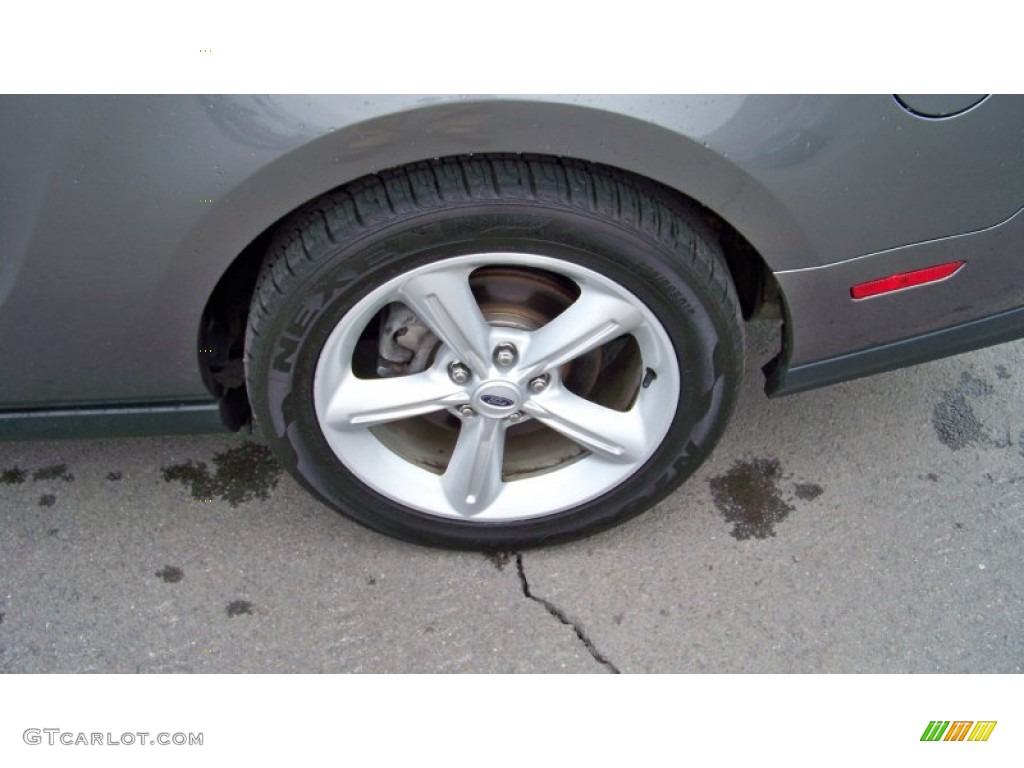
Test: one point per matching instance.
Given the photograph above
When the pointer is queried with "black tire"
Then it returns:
(618, 423)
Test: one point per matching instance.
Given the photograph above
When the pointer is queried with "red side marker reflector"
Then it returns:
(904, 280)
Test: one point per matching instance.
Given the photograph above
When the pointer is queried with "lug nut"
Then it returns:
(540, 383)
(514, 418)
(505, 355)
(467, 411)
(458, 373)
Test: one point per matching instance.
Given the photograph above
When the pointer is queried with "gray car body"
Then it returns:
(121, 214)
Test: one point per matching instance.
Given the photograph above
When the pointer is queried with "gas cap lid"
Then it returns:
(938, 105)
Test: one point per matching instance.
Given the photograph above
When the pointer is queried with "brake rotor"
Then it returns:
(528, 299)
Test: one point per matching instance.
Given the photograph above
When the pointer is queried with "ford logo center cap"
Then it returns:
(497, 401)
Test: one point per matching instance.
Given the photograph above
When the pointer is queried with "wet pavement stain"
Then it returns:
(808, 491)
(13, 476)
(243, 473)
(498, 559)
(748, 496)
(238, 608)
(47, 500)
(114, 476)
(172, 574)
(1001, 372)
(53, 473)
(930, 476)
(953, 418)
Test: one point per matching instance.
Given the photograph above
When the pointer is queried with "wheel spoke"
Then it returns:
(361, 403)
(473, 478)
(619, 436)
(443, 301)
(595, 318)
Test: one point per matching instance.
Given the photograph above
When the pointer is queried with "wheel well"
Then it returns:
(222, 332)
(225, 317)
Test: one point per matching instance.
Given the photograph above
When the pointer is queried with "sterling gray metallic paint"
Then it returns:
(991, 281)
(118, 215)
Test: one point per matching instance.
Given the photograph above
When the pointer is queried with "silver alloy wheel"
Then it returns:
(367, 421)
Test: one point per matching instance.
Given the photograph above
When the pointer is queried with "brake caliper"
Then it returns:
(405, 345)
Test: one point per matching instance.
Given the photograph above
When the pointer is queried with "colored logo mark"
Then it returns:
(958, 730)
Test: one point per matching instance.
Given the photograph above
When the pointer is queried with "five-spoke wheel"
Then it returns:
(501, 425)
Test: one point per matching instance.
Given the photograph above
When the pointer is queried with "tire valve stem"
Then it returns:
(649, 376)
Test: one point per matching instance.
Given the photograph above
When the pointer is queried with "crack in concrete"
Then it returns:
(557, 612)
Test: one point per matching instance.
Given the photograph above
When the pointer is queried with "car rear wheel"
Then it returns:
(493, 352)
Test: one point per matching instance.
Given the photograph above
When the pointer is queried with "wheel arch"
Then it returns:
(751, 225)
